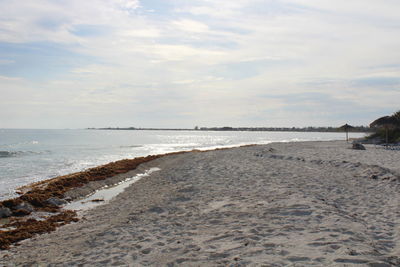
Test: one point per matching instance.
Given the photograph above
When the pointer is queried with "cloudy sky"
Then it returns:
(179, 63)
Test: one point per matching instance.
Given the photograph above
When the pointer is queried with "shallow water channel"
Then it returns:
(105, 194)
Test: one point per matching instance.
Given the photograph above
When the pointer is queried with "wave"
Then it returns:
(131, 146)
(33, 142)
(10, 154)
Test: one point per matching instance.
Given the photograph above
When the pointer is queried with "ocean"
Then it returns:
(28, 156)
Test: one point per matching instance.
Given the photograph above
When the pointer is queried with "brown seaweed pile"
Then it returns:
(40, 192)
(30, 227)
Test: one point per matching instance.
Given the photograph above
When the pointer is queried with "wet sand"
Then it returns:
(284, 204)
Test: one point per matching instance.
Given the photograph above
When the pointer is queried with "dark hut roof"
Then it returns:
(346, 127)
(383, 121)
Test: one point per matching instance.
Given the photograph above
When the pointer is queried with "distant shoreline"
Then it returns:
(356, 129)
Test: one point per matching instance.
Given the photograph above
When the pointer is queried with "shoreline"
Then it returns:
(215, 202)
(35, 160)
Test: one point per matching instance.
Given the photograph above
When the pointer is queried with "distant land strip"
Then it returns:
(361, 129)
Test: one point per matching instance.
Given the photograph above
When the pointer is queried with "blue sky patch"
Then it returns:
(382, 82)
(157, 7)
(84, 30)
(39, 61)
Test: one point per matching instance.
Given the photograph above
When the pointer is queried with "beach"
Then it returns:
(281, 204)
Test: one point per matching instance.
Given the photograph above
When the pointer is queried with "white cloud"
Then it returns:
(8, 79)
(191, 26)
(129, 4)
(6, 61)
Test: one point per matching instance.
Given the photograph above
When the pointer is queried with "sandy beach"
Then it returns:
(282, 204)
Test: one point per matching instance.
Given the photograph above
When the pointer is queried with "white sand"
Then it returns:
(291, 204)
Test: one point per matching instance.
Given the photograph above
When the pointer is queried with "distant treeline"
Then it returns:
(287, 129)
(252, 129)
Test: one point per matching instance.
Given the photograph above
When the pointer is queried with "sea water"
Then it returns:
(28, 156)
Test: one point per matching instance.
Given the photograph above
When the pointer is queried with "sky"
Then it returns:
(179, 63)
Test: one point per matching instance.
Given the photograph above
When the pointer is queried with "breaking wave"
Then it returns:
(10, 154)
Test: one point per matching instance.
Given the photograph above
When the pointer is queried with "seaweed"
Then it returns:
(27, 229)
(38, 193)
